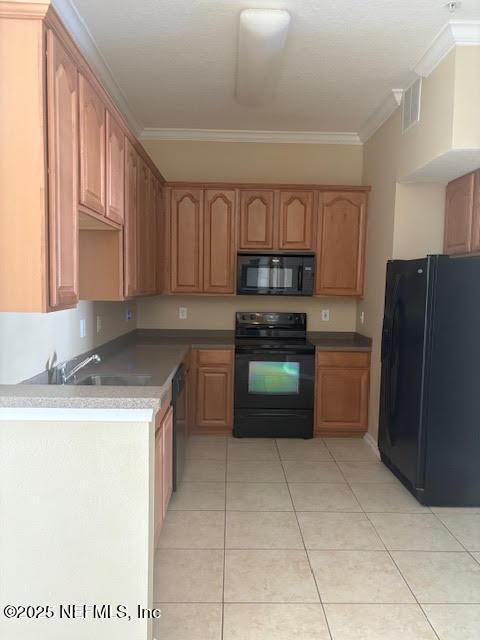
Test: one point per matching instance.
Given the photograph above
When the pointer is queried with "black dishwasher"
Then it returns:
(179, 405)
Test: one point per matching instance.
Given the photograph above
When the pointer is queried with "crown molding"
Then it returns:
(25, 10)
(87, 45)
(381, 114)
(227, 135)
(454, 33)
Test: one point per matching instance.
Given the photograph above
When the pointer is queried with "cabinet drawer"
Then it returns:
(214, 356)
(347, 359)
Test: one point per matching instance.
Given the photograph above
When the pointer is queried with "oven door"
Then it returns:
(269, 275)
(274, 379)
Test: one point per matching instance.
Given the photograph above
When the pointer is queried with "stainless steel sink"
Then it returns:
(126, 380)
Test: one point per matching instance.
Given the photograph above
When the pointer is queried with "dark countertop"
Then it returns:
(157, 353)
(340, 341)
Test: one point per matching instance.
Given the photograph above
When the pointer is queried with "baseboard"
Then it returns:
(372, 443)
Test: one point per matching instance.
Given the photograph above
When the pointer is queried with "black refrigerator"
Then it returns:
(429, 426)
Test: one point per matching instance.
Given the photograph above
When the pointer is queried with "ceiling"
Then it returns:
(175, 60)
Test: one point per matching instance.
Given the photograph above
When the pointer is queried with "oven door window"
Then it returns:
(274, 378)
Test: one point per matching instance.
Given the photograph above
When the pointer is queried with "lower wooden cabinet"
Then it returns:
(158, 500)
(341, 398)
(213, 398)
(167, 428)
(163, 465)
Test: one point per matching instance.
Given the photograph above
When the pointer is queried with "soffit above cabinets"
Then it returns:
(174, 63)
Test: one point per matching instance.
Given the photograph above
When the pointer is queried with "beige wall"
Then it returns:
(379, 171)
(433, 135)
(28, 340)
(419, 219)
(219, 313)
(257, 162)
(466, 131)
(405, 220)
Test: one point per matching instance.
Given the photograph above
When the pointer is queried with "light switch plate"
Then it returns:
(325, 315)
(83, 328)
(182, 313)
(99, 324)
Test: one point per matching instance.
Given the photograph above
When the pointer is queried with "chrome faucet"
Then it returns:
(65, 377)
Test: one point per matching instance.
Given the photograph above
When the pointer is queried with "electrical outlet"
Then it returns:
(362, 317)
(325, 315)
(99, 324)
(129, 315)
(182, 313)
(83, 328)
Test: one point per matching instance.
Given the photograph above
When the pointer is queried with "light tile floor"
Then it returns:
(310, 540)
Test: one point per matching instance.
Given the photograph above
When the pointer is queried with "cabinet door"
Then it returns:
(214, 397)
(459, 215)
(341, 243)
(143, 187)
(256, 219)
(167, 427)
(296, 220)
(158, 491)
(151, 236)
(186, 251)
(115, 170)
(62, 101)
(219, 242)
(130, 230)
(476, 214)
(92, 147)
(342, 401)
(160, 256)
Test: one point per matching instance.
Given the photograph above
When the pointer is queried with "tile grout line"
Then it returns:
(224, 541)
(392, 559)
(304, 545)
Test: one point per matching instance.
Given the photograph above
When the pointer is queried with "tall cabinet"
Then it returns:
(62, 136)
(62, 118)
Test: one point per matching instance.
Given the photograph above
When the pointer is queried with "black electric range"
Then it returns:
(274, 376)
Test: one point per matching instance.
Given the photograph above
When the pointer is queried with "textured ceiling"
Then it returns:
(175, 60)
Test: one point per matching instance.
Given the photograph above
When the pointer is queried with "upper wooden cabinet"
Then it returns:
(256, 219)
(143, 218)
(296, 220)
(62, 136)
(219, 241)
(132, 161)
(150, 249)
(459, 216)
(476, 214)
(92, 147)
(115, 168)
(341, 243)
(62, 120)
(186, 240)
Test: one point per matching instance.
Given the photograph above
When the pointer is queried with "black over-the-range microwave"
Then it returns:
(283, 274)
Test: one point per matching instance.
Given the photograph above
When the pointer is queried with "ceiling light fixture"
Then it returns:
(261, 41)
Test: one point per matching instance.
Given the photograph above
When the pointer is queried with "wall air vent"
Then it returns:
(411, 104)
